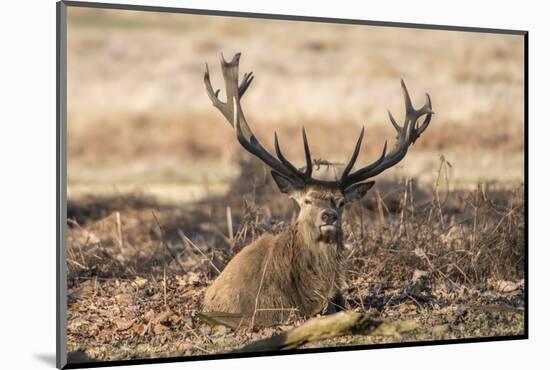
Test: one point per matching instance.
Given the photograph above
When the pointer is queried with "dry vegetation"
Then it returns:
(453, 262)
(161, 197)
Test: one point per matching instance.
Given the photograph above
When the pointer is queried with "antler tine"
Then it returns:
(232, 111)
(412, 116)
(307, 153)
(253, 146)
(283, 159)
(213, 95)
(247, 80)
(408, 103)
(406, 135)
(392, 120)
(230, 74)
(427, 110)
(230, 71)
(355, 154)
(363, 173)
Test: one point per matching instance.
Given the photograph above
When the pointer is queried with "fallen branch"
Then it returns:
(331, 326)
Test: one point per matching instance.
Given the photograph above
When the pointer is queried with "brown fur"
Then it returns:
(298, 274)
(300, 268)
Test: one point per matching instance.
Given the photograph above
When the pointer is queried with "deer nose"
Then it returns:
(329, 217)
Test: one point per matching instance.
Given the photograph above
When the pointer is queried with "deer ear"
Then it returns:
(357, 191)
(284, 184)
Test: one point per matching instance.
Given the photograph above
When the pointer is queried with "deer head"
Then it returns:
(321, 201)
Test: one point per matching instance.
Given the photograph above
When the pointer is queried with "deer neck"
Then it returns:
(306, 235)
(317, 262)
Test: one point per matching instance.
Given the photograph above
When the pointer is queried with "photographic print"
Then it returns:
(242, 185)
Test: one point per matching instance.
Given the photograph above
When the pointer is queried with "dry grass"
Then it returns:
(451, 260)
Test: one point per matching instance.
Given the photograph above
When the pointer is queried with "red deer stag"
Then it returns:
(300, 269)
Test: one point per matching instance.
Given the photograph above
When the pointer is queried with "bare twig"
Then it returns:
(119, 232)
(229, 223)
(403, 208)
(268, 259)
(188, 241)
(164, 259)
(165, 245)
(380, 206)
(164, 281)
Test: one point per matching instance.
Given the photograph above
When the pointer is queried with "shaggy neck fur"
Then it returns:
(291, 270)
(316, 266)
(309, 235)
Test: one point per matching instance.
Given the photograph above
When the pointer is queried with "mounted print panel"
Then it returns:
(238, 185)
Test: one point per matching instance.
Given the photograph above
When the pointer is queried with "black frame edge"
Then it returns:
(287, 17)
(526, 180)
(222, 356)
(61, 188)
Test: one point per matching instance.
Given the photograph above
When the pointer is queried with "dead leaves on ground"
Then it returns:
(126, 318)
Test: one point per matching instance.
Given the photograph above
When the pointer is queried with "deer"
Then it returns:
(302, 268)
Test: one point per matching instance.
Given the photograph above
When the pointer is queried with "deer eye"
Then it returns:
(307, 201)
(340, 203)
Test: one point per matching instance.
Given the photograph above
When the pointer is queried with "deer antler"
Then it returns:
(232, 111)
(406, 135)
(230, 74)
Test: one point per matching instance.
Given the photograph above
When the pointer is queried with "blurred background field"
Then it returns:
(139, 117)
(161, 196)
